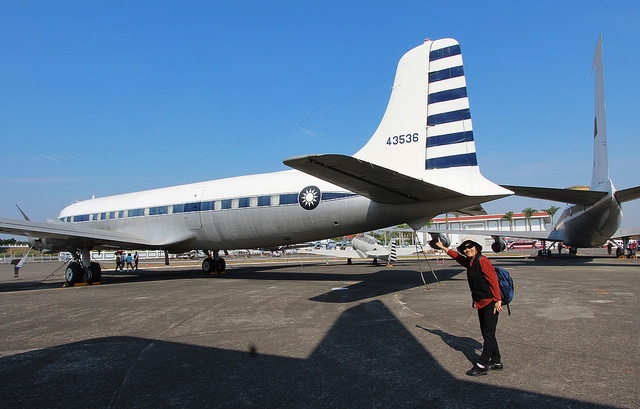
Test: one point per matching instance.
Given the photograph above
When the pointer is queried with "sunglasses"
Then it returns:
(468, 246)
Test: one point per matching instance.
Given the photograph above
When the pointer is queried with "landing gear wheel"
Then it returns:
(96, 273)
(208, 265)
(221, 266)
(74, 273)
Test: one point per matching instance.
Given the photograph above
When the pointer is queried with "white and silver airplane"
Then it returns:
(592, 216)
(420, 162)
(364, 246)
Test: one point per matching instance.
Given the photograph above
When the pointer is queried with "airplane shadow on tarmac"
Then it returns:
(367, 359)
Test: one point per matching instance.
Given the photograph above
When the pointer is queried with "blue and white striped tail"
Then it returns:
(426, 130)
(449, 130)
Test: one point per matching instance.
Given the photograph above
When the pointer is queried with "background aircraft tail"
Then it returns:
(426, 131)
(601, 184)
(600, 175)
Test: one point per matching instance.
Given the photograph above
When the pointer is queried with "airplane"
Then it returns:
(362, 247)
(420, 162)
(592, 216)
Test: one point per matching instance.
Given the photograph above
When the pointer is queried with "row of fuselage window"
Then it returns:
(225, 204)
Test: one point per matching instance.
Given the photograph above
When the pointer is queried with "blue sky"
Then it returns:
(100, 98)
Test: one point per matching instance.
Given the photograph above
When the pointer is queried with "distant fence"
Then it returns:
(33, 258)
(6, 258)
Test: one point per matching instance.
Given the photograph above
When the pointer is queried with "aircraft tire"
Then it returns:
(221, 265)
(207, 265)
(73, 273)
(96, 273)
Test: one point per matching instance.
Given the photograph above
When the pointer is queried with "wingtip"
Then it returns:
(23, 213)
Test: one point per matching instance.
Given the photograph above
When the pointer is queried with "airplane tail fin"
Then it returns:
(426, 131)
(393, 252)
(423, 149)
(600, 173)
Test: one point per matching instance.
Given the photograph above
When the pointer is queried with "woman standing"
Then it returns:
(485, 292)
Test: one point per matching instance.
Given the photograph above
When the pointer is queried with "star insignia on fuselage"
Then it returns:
(309, 197)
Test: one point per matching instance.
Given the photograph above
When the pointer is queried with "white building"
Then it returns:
(519, 222)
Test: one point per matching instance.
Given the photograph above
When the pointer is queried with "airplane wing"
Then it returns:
(626, 195)
(75, 236)
(369, 180)
(346, 253)
(553, 235)
(580, 197)
(381, 253)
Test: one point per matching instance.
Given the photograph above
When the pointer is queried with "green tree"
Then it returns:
(528, 212)
(381, 237)
(508, 216)
(552, 211)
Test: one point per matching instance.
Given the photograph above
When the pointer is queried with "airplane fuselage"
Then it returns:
(254, 211)
(590, 226)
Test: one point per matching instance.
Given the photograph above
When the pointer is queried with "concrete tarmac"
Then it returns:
(307, 334)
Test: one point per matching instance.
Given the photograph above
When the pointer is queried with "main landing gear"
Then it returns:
(214, 265)
(82, 270)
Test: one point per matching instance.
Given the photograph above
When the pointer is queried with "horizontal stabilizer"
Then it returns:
(629, 194)
(380, 253)
(476, 210)
(375, 182)
(580, 197)
(553, 235)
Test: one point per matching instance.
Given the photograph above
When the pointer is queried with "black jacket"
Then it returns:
(477, 282)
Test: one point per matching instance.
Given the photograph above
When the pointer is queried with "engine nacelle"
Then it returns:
(498, 245)
(38, 244)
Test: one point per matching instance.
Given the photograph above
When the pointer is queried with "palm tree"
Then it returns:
(552, 211)
(528, 212)
(401, 235)
(508, 216)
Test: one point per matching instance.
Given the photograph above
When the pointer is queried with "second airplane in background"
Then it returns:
(364, 246)
(593, 216)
